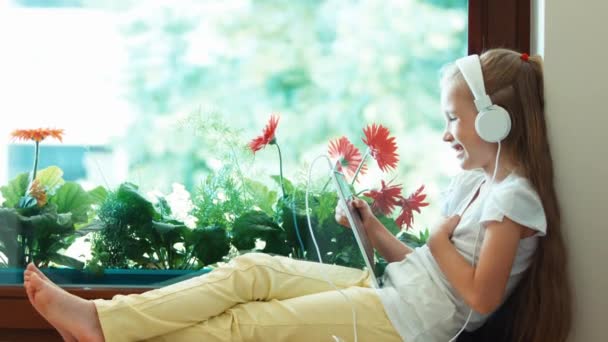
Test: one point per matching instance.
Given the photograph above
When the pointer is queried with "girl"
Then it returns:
(502, 234)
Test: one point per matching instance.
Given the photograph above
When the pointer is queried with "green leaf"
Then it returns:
(170, 233)
(90, 227)
(275, 244)
(286, 183)
(65, 260)
(126, 206)
(64, 219)
(263, 197)
(251, 226)
(210, 210)
(163, 207)
(413, 240)
(135, 249)
(209, 245)
(327, 206)
(295, 223)
(98, 195)
(50, 178)
(94, 267)
(71, 198)
(424, 236)
(46, 224)
(165, 227)
(390, 224)
(15, 189)
(9, 227)
(140, 210)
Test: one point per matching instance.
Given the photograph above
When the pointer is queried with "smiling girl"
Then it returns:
(500, 238)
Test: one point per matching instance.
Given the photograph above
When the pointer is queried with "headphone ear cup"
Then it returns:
(493, 124)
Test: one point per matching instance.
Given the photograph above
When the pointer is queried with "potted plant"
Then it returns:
(138, 240)
(40, 213)
(283, 226)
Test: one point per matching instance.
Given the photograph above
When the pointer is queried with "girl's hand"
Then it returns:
(360, 206)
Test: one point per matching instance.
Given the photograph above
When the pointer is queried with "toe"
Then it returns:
(35, 280)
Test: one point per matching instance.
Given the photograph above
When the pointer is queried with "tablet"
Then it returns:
(344, 197)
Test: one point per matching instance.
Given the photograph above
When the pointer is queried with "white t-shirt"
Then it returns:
(418, 299)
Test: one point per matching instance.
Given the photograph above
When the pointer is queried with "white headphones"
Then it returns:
(493, 122)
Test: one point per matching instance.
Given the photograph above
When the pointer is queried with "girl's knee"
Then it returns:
(251, 259)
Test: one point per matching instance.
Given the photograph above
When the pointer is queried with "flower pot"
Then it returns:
(109, 277)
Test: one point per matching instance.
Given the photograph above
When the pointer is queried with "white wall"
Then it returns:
(576, 74)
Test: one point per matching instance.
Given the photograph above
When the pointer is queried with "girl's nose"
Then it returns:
(447, 136)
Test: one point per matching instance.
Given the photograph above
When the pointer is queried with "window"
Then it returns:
(148, 93)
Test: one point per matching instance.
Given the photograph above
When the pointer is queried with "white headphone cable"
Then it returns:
(314, 240)
(476, 240)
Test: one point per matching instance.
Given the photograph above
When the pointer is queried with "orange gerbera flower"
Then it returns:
(37, 135)
(346, 155)
(267, 137)
(386, 198)
(38, 192)
(382, 147)
(408, 206)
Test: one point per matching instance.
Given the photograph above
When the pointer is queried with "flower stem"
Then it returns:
(280, 168)
(36, 155)
(326, 184)
(329, 180)
(360, 192)
(360, 166)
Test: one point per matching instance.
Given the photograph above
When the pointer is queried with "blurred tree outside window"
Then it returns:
(157, 92)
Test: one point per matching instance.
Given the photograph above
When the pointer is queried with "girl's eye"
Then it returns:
(452, 118)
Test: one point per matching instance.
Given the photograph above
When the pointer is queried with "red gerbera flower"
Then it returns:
(267, 136)
(347, 155)
(37, 135)
(382, 147)
(386, 198)
(408, 206)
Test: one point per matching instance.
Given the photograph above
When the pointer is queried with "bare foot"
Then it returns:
(71, 314)
(31, 268)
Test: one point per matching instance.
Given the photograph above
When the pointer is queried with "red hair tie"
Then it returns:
(524, 57)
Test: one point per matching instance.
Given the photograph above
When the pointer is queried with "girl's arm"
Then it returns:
(482, 287)
(381, 238)
(385, 242)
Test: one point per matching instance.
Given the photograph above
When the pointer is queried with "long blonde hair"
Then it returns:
(541, 305)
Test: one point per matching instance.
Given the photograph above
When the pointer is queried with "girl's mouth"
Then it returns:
(460, 149)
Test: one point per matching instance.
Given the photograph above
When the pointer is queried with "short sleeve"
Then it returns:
(518, 201)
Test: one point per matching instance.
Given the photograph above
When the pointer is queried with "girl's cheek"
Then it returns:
(455, 130)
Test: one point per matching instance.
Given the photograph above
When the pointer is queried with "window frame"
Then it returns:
(509, 26)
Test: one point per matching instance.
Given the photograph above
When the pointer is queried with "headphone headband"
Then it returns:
(470, 67)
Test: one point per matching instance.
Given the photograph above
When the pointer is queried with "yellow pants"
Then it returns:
(256, 297)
